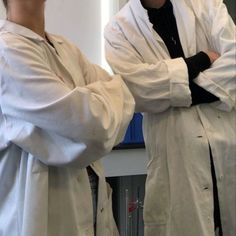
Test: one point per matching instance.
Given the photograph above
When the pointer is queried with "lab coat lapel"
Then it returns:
(155, 42)
(186, 25)
(65, 68)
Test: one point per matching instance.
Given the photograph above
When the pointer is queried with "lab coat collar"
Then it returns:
(23, 31)
(186, 29)
(141, 12)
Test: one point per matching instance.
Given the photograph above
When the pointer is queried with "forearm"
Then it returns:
(195, 65)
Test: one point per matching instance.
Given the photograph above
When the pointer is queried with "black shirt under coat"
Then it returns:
(164, 23)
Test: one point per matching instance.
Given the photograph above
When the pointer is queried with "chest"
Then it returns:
(65, 65)
(192, 32)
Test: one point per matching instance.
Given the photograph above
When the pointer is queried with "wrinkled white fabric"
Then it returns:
(58, 114)
(179, 196)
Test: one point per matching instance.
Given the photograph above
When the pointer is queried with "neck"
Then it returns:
(153, 3)
(27, 14)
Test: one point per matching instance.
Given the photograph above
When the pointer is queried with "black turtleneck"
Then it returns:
(164, 23)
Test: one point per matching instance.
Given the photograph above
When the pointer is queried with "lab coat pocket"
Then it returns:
(156, 202)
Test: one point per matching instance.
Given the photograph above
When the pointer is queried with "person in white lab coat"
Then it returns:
(178, 59)
(59, 114)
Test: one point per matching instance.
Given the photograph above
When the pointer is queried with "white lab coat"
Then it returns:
(179, 196)
(58, 114)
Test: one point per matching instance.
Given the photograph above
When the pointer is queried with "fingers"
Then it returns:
(212, 55)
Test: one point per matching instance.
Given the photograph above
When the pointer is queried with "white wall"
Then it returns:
(79, 21)
(2, 11)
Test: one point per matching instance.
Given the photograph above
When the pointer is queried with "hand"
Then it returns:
(212, 55)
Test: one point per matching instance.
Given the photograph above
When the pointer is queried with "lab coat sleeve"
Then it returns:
(93, 73)
(36, 104)
(155, 87)
(220, 29)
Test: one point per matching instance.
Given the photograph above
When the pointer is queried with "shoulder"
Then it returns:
(15, 47)
(202, 5)
(69, 46)
(12, 40)
(120, 23)
(122, 16)
(17, 36)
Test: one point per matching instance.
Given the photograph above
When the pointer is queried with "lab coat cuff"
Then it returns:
(227, 101)
(180, 94)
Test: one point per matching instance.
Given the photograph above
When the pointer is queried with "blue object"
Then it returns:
(134, 134)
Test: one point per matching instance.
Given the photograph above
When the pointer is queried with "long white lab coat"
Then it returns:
(179, 196)
(58, 114)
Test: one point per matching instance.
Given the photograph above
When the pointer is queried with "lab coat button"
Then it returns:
(206, 188)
